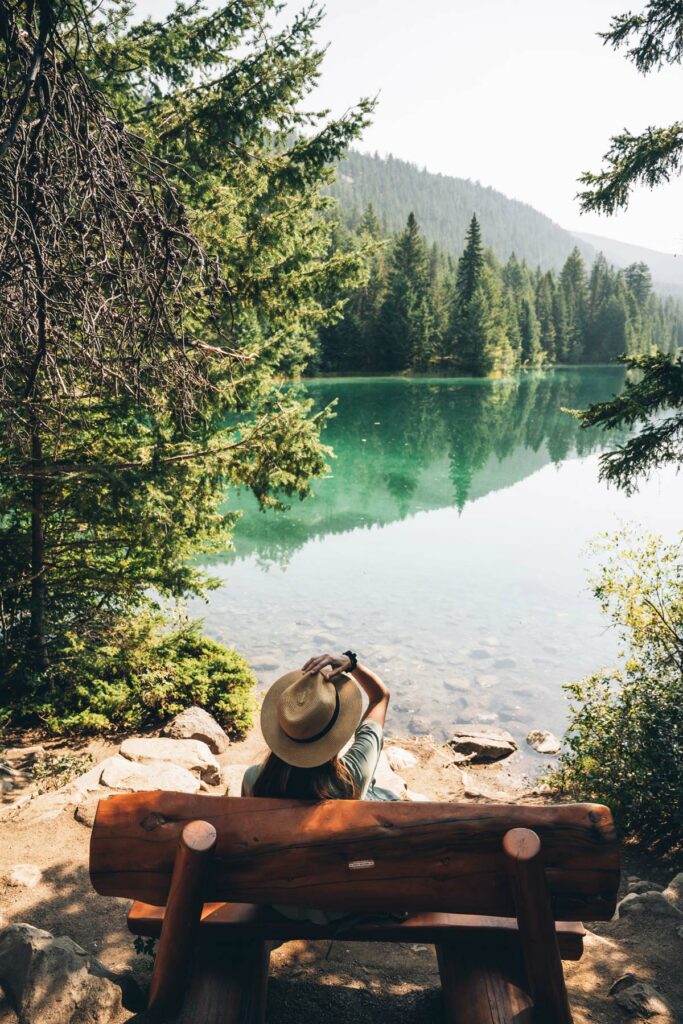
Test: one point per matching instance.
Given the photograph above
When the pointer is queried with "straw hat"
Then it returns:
(306, 719)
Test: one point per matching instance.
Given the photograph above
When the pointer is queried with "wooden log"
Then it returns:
(183, 912)
(228, 983)
(357, 855)
(246, 920)
(484, 983)
(524, 860)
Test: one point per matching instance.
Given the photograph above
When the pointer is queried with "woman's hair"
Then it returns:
(329, 781)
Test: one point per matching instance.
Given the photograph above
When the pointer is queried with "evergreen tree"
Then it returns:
(405, 326)
(575, 289)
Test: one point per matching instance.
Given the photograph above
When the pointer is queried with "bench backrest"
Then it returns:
(357, 855)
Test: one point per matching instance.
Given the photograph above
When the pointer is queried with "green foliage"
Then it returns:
(652, 38)
(625, 735)
(416, 310)
(110, 485)
(54, 770)
(653, 400)
(142, 675)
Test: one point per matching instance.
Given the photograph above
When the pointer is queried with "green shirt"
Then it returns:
(361, 760)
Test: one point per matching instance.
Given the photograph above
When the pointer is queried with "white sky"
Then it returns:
(517, 94)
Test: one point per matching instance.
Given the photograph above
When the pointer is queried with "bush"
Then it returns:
(625, 735)
(144, 675)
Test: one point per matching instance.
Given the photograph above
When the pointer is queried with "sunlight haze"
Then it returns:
(522, 97)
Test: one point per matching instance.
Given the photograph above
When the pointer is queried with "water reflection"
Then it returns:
(404, 446)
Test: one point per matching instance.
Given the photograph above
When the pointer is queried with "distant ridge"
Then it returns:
(444, 206)
(667, 269)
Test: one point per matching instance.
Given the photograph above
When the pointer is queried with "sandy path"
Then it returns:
(359, 981)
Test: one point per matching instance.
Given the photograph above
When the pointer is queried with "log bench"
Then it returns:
(501, 890)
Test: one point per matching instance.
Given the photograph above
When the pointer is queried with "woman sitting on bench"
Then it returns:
(307, 719)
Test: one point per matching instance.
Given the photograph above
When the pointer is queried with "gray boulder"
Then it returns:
(654, 903)
(54, 981)
(192, 755)
(197, 724)
(131, 777)
(674, 891)
(641, 886)
(482, 742)
(640, 999)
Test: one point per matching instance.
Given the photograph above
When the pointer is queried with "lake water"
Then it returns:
(447, 546)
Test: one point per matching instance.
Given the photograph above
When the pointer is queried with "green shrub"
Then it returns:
(625, 735)
(145, 674)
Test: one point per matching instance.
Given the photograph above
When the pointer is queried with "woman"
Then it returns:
(307, 718)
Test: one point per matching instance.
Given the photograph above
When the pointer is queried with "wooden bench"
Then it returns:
(500, 890)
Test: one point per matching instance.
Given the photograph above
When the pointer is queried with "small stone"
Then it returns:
(400, 759)
(420, 726)
(482, 743)
(386, 778)
(416, 798)
(457, 684)
(197, 724)
(639, 998)
(193, 755)
(487, 679)
(654, 903)
(505, 663)
(85, 811)
(641, 886)
(144, 778)
(24, 876)
(544, 742)
(232, 776)
(479, 654)
(265, 665)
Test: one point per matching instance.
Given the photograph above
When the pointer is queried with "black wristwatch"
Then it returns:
(353, 658)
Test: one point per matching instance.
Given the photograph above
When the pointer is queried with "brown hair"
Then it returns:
(329, 781)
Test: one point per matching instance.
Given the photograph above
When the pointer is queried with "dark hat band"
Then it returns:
(328, 727)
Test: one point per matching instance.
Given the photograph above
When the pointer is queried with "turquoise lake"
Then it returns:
(447, 545)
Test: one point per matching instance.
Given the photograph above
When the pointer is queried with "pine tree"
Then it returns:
(405, 331)
(574, 287)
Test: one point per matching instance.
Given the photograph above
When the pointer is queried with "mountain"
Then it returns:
(667, 269)
(444, 206)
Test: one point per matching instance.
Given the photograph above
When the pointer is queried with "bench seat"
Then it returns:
(228, 920)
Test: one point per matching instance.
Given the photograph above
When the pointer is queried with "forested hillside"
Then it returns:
(444, 206)
(420, 309)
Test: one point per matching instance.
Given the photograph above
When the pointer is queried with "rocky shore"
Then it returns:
(67, 958)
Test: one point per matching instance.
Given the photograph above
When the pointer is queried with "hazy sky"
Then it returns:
(517, 94)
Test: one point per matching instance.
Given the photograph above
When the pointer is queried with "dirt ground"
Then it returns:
(349, 981)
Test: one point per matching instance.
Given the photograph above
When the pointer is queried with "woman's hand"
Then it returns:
(337, 662)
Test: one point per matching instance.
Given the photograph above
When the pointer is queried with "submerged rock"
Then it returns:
(193, 755)
(482, 742)
(197, 724)
(544, 742)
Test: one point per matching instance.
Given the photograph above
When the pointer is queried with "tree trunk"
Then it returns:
(37, 635)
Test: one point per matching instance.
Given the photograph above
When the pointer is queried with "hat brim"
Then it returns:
(311, 755)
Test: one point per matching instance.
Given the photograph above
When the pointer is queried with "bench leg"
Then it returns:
(228, 984)
(524, 862)
(181, 920)
(483, 984)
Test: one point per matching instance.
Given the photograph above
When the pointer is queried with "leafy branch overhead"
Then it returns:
(651, 39)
